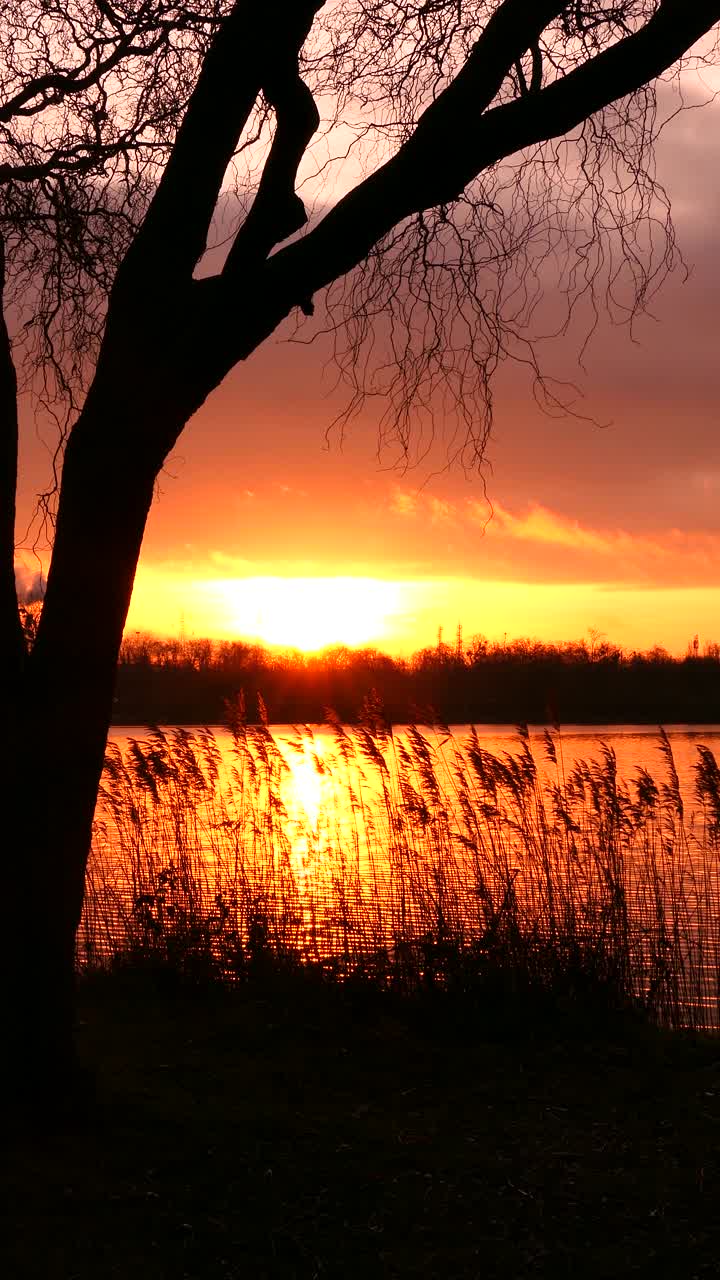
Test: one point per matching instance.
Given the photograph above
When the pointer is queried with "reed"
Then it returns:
(412, 862)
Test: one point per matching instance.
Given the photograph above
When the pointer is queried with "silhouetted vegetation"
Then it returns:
(410, 862)
(189, 682)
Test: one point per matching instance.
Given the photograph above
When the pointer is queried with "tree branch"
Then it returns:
(446, 152)
(51, 89)
(255, 49)
(562, 105)
(173, 235)
(387, 196)
(277, 212)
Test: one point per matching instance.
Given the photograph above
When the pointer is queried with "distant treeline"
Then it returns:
(192, 681)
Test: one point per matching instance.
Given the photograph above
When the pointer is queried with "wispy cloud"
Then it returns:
(690, 553)
(407, 503)
(537, 543)
(404, 503)
(540, 525)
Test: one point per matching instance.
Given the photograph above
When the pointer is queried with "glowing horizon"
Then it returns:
(306, 613)
(400, 616)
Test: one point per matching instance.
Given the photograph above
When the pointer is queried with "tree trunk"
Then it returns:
(58, 738)
(59, 720)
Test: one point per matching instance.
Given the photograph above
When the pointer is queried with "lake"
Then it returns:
(340, 845)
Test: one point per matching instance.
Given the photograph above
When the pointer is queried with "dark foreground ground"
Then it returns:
(290, 1138)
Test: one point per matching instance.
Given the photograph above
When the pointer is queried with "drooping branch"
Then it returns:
(390, 194)
(447, 151)
(609, 75)
(12, 646)
(77, 176)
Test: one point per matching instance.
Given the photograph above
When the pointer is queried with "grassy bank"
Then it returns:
(267, 1134)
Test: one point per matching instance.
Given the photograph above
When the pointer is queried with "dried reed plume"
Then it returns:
(416, 861)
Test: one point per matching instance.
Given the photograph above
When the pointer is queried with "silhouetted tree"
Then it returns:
(496, 139)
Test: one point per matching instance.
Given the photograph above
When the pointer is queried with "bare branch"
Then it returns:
(444, 155)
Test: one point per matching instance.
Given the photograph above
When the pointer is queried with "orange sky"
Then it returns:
(260, 530)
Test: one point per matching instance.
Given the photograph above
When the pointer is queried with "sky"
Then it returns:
(263, 529)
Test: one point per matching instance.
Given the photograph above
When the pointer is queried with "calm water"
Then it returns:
(635, 744)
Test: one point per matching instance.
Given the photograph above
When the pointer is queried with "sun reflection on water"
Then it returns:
(306, 781)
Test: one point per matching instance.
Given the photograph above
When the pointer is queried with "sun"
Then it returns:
(307, 613)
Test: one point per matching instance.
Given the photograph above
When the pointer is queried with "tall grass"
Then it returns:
(412, 860)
